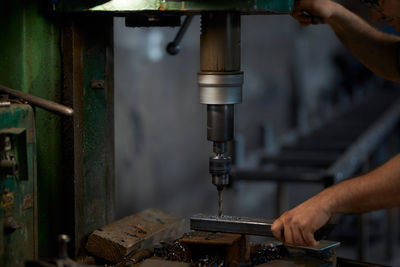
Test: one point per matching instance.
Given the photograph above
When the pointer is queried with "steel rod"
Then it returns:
(37, 101)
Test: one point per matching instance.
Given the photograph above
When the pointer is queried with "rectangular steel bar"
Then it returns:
(242, 225)
(323, 245)
(231, 224)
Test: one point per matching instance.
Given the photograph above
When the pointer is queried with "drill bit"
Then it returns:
(220, 201)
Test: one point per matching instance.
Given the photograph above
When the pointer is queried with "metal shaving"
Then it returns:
(268, 253)
(171, 251)
(208, 261)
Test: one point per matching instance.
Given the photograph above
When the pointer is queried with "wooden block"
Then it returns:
(244, 249)
(134, 258)
(143, 230)
(210, 238)
(239, 251)
(236, 247)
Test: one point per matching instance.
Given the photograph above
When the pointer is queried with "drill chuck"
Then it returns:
(220, 167)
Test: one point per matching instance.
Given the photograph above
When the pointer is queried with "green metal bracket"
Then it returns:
(31, 62)
(18, 205)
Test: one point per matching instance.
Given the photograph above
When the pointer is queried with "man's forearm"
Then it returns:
(376, 50)
(375, 190)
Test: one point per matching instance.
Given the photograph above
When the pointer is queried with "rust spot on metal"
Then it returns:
(7, 203)
(27, 202)
(7, 200)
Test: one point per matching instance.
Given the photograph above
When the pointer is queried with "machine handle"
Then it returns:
(37, 101)
(173, 47)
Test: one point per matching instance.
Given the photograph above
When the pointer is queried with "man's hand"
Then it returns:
(297, 226)
(308, 12)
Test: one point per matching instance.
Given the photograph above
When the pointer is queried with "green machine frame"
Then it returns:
(18, 209)
(66, 59)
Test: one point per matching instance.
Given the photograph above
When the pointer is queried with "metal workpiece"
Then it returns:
(243, 225)
(231, 224)
(37, 101)
(220, 42)
(323, 245)
(220, 88)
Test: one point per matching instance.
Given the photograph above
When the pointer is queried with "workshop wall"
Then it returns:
(161, 147)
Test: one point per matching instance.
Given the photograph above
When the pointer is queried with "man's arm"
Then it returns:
(377, 189)
(376, 50)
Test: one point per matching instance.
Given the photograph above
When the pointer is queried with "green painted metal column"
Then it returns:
(87, 47)
(30, 61)
(75, 156)
(18, 208)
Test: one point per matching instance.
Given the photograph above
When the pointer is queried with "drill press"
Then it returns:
(220, 82)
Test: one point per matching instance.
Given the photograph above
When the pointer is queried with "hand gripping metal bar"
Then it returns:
(242, 225)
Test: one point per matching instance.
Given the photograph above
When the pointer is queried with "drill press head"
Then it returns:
(220, 83)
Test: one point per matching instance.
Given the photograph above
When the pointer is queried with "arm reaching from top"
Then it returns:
(377, 189)
(378, 51)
